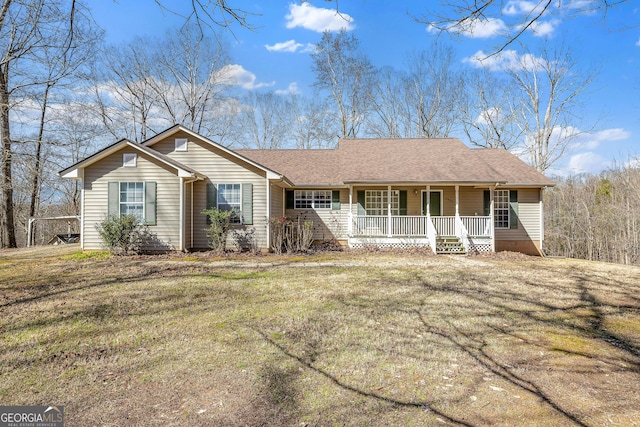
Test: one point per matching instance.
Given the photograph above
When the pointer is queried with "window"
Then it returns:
(312, 199)
(129, 160)
(181, 144)
(376, 202)
(230, 199)
(132, 199)
(501, 208)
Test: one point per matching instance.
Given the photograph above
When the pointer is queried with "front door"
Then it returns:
(435, 203)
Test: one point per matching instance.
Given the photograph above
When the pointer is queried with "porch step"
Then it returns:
(449, 245)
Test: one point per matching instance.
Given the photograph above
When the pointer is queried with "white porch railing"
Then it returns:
(477, 225)
(378, 225)
(444, 225)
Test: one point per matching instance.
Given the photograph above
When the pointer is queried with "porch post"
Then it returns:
(389, 211)
(428, 213)
(350, 224)
(491, 219)
(457, 225)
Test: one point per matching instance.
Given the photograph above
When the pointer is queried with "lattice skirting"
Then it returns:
(394, 245)
(480, 245)
(477, 245)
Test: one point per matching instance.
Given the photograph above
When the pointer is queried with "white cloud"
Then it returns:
(492, 115)
(505, 60)
(591, 141)
(544, 28)
(290, 46)
(638, 42)
(586, 162)
(236, 75)
(477, 28)
(317, 19)
(519, 7)
(292, 89)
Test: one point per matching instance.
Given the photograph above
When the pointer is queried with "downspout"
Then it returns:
(268, 214)
(182, 202)
(82, 233)
(192, 214)
(541, 222)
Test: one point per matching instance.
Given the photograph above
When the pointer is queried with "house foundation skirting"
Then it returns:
(476, 244)
(388, 242)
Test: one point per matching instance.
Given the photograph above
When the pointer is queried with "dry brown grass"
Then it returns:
(327, 339)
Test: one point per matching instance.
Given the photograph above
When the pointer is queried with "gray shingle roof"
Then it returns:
(443, 160)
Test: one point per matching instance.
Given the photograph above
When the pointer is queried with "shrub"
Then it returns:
(122, 234)
(290, 236)
(218, 228)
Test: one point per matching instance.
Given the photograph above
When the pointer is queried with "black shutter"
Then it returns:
(290, 197)
(335, 200)
(513, 209)
(361, 203)
(487, 202)
(403, 202)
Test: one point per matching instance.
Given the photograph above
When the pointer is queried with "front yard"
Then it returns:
(332, 339)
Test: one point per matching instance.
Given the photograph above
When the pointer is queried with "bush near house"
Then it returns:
(122, 234)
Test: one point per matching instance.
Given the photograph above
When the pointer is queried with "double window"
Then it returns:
(312, 199)
(376, 202)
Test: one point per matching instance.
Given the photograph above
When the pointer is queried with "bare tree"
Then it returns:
(28, 29)
(265, 121)
(154, 83)
(342, 70)
(125, 93)
(188, 81)
(388, 118)
(550, 86)
(312, 124)
(432, 91)
(487, 112)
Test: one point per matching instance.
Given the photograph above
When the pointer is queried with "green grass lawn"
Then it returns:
(332, 339)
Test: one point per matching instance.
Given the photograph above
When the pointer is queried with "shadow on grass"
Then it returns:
(402, 403)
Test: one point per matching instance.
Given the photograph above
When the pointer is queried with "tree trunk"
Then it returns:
(8, 232)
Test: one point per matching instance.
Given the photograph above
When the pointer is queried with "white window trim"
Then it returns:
(129, 160)
(395, 210)
(496, 209)
(144, 195)
(234, 219)
(314, 199)
(181, 144)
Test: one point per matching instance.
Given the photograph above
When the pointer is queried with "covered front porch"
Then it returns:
(448, 219)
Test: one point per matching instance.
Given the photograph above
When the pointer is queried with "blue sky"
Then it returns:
(276, 54)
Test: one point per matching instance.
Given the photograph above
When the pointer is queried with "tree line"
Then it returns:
(64, 94)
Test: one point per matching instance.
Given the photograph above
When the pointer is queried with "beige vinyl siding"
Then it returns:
(96, 179)
(328, 224)
(471, 201)
(528, 217)
(277, 201)
(220, 168)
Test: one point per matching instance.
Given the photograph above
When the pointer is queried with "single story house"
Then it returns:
(383, 192)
